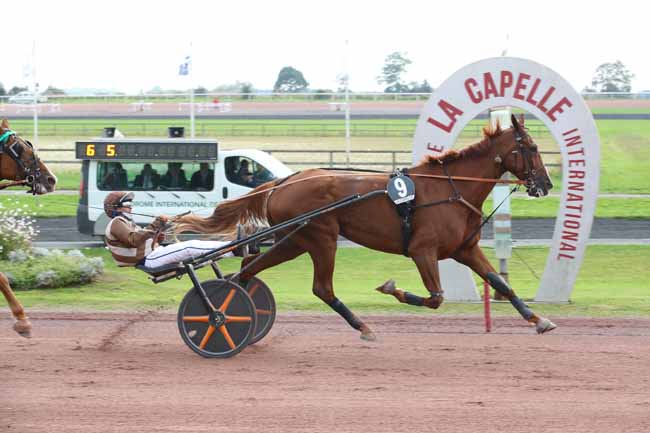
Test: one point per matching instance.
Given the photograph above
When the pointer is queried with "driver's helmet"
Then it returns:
(116, 200)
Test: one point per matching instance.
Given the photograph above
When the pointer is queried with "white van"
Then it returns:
(168, 176)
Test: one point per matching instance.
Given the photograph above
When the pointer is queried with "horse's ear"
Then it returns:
(521, 119)
(513, 120)
(4, 124)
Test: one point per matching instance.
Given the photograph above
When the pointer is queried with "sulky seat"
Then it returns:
(162, 270)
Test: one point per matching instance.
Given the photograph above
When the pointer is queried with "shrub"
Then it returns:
(52, 268)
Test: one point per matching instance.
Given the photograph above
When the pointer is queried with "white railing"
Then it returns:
(308, 96)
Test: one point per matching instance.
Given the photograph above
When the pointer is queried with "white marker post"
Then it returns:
(502, 222)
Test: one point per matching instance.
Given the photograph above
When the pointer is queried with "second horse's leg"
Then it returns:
(428, 267)
(22, 325)
(475, 259)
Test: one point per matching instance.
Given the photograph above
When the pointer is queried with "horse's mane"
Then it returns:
(469, 151)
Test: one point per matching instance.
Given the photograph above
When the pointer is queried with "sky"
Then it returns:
(132, 46)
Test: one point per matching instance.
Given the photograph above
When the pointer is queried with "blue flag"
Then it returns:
(184, 68)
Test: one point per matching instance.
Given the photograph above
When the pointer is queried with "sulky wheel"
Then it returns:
(223, 333)
(264, 306)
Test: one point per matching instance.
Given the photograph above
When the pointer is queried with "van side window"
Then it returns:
(245, 171)
(145, 176)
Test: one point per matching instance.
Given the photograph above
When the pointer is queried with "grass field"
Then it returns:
(638, 208)
(614, 281)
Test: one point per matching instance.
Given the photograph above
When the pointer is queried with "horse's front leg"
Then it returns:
(428, 267)
(476, 260)
(22, 325)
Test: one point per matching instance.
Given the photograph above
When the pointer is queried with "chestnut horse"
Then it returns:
(449, 191)
(21, 166)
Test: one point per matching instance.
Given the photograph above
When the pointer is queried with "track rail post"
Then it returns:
(486, 306)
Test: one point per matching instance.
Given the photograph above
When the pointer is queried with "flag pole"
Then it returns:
(191, 66)
(347, 107)
(35, 85)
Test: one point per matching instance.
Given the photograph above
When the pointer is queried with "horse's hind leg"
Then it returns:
(428, 267)
(323, 256)
(282, 252)
(475, 259)
(22, 325)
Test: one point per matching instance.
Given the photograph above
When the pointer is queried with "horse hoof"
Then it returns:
(23, 328)
(387, 288)
(544, 325)
(367, 334)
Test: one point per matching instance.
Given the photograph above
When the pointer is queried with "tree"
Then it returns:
(612, 77)
(200, 90)
(16, 89)
(247, 88)
(290, 80)
(236, 87)
(156, 90)
(343, 81)
(323, 94)
(391, 74)
(51, 90)
(3, 92)
(423, 87)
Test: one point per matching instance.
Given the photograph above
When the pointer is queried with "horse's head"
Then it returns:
(19, 161)
(519, 155)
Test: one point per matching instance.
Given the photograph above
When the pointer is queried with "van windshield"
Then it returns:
(145, 176)
(247, 172)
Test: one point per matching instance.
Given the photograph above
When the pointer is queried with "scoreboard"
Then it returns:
(173, 149)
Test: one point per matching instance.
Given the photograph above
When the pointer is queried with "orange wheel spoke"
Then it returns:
(253, 289)
(226, 303)
(197, 319)
(230, 319)
(264, 312)
(226, 335)
(207, 336)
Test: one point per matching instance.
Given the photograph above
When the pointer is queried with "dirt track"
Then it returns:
(131, 373)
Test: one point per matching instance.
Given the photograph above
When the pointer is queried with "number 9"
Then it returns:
(400, 186)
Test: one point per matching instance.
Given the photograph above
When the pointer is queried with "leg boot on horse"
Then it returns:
(428, 267)
(476, 260)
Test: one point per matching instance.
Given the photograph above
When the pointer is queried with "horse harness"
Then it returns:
(401, 190)
(31, 174)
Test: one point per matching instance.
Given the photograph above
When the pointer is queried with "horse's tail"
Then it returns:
(249, 209)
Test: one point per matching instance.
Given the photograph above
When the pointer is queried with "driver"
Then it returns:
(131, 245)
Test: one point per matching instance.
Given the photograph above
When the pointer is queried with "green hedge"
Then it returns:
(50, 268)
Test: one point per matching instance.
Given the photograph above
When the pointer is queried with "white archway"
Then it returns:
(521, 83)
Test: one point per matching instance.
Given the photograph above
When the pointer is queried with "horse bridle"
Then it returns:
(530, 174)
(31, 172)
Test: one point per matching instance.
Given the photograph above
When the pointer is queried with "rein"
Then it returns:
(485, 220)
(12, 183)
(432, 176)
(471, 179)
